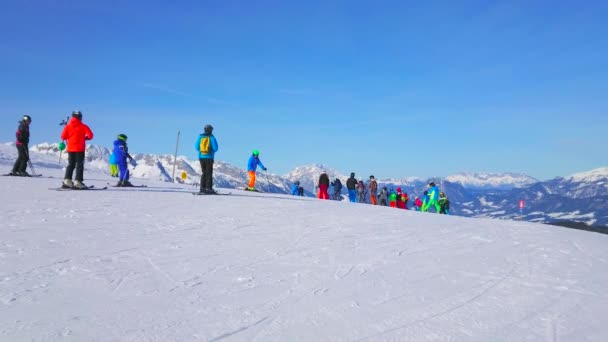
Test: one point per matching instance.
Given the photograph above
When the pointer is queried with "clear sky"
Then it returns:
(390, 88)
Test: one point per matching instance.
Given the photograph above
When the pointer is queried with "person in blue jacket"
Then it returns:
(206, 145)
(252, 166)
(121, 155)
(294, 188)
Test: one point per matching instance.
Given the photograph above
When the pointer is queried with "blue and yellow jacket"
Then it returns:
(212, 150)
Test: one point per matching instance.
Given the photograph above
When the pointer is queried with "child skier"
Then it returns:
(425, 200)
(444, 204)
(294, 188)
(404, 199)
(121, 154)
(392, 199)
(417, 204)
(252, 166)
(113, 165)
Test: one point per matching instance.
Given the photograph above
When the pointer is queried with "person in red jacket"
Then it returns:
(76, 133)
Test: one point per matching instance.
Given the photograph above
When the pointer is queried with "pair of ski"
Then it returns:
(91, 187)
(200, 193)
(11, 175)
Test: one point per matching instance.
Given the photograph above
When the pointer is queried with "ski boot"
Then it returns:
(67, 184)
(79, 185)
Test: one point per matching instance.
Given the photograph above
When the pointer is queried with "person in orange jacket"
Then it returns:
(76, 133)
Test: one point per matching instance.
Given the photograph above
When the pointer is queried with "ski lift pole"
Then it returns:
(175, 158)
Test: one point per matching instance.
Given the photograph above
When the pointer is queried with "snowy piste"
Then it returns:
(158, 264)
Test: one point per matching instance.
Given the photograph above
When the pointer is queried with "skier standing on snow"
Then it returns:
(294, 188)
(373, 190)
(444, 204)
(383, 196)
(425, 200)
(433, 195)
(113, 165)
(252, 166)
(417, 204)
(323, 186)
(22, 142)
(121, 155)
(76, 133)
(361, 192)
(392, 198)
(404, 199)
(351, 185)
(337, 184)
(206, 145)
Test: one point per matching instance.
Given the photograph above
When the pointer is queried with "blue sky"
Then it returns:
(391, 88)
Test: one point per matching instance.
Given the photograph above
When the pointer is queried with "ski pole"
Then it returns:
(267, 182)
(29, 162)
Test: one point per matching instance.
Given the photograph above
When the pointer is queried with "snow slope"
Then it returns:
(158, 264)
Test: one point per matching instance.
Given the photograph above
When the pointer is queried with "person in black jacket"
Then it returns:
(23, 139)
(323, 186)
(337, 184)
(351, 185)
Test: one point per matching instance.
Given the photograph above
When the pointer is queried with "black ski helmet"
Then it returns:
(77, 114)
(208, 129)
(352, 175)
(27, 118)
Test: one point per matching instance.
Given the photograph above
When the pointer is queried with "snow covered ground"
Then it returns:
(158, 264)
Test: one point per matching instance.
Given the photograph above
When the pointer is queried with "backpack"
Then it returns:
(205, 146)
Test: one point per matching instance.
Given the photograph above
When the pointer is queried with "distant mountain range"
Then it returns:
(582, 197)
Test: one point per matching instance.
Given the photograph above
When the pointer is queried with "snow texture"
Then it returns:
(158, 264)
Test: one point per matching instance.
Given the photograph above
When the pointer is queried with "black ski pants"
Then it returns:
(75, 160)
(207, 173)
(21, 163)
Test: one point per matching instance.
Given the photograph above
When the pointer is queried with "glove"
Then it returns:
(132, 162)
(264, 169)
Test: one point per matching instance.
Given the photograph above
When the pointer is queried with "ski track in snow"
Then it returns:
(159, 265)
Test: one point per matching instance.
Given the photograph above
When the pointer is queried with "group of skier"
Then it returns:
(76, 133)
(358, 192)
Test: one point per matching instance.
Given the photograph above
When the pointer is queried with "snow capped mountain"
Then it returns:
(481, 180)
(592, 176)
(308, 175)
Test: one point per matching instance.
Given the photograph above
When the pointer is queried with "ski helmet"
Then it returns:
(77, 114)
(352, 175)
(122, 137)
(371, 177)
(208, 129)
(398, 189)
(27, 118)
(256, 152)
(61, 146)
(432, 184)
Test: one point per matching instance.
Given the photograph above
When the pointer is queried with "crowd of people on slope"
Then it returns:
(359, 192)
(76, 133)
